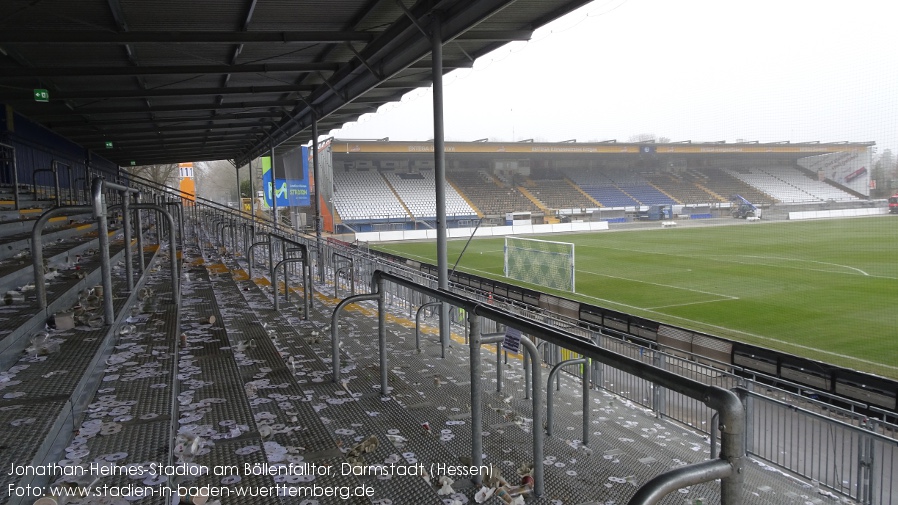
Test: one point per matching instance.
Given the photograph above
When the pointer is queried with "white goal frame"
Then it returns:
(540, 248)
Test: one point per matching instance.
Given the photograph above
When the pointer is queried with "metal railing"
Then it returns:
(728, 467)
(8, 158)
(855, 473)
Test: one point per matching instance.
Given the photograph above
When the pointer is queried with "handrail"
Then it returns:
(726, 402)
(37, 249)
(178, 207)
(177, 194)
(15, 175)
(588, 329)
(351, 261)
(307, 288)
(654, 490)
(99, 208)
(34, 182)
(495, 338)
(173, 247)
(250, 257)
(126, 220)
(56, 164)
(418, 322)
(305, 298)
(335, 329)
(138, 223)
(550, 396)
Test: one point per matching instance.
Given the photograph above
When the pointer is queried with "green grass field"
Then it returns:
(827, 290)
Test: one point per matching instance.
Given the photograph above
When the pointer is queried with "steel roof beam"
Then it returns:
(157, 137)
(406, 49)
(153, 146)
(74, 133)
(164, 156)
(225, 37)
(10, 72)
(169, 147)
(159, 120)
(157, 92)
(103, 111)
(136, 153)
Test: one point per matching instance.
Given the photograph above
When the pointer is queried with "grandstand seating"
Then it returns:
(789, 185)
(601, 189)
(684, 188)
(417, 190)
(619, 188)
(560, 194)
(724, 184)
(646, 194)
(364, 195)
(491, 198)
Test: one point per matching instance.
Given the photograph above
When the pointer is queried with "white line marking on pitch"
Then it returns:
(810, 261)
(661, 285)
(729, 259)
(685, 304)
(703, 323)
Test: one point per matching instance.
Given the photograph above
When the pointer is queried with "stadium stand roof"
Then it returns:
(701, 148)
(168, 81)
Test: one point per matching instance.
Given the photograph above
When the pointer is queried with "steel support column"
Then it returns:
(317, 203)
(252, 196)
(476, 394)
(274, 189)
(439, 173)
(129, 258)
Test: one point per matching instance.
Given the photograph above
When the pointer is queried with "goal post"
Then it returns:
(541, 262)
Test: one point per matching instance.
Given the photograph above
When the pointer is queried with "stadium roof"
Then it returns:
(786, 149)
(174, 80)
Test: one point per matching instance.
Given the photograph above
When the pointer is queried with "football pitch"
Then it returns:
(827, 290)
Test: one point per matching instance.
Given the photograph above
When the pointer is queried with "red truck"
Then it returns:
(893, 204)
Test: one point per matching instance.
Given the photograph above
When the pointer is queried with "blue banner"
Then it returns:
(291, 187)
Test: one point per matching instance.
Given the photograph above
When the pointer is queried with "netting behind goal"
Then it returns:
(541, 262)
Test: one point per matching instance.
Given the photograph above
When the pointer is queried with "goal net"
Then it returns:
(540, 262)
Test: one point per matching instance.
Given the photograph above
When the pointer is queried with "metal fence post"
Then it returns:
(659, 397)
(382, 336)
(476, 397)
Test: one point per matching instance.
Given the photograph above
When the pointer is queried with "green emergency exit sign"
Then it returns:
(108, 144)
(133, 163)
(41, 95)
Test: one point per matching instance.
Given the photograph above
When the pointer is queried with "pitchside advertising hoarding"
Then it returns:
(292, 185)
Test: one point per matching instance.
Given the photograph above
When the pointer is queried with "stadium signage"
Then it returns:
(512, 342)
(291, 187)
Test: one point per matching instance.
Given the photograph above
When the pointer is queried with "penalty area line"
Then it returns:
(690, 303)
(728, 297)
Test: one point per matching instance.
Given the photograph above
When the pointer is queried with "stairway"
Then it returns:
(398, 198)
(530, 196)
(584, 193)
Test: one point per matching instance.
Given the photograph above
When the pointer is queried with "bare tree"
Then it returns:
(166, 174)
(217, 180)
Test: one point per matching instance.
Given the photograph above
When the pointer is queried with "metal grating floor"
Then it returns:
(628, 444)
(255, 387)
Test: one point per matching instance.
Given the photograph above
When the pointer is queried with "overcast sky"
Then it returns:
(705, 70)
